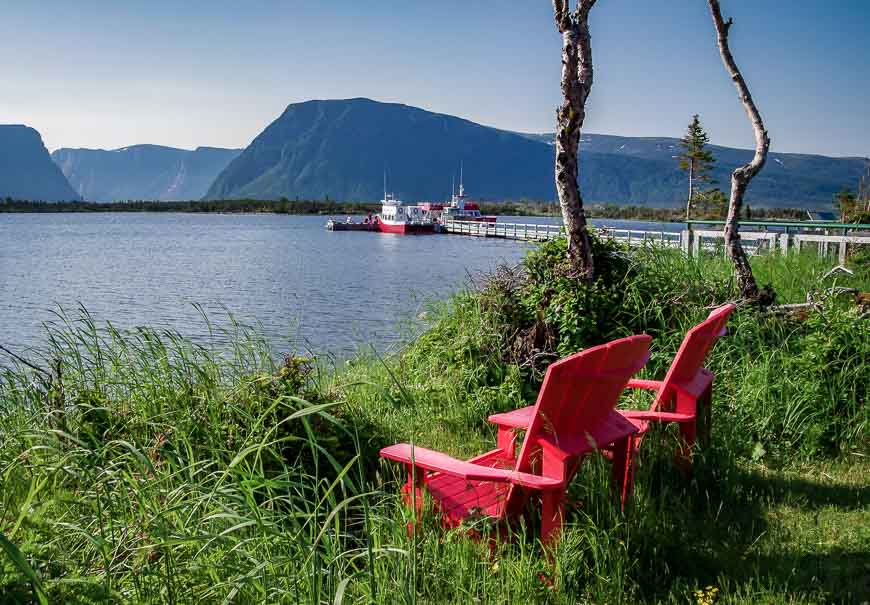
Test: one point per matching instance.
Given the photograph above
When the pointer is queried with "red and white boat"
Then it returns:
(460, 209)
(398, 217)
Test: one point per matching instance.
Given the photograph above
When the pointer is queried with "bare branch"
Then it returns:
(560, 8)
(583, 8)
(742, 175)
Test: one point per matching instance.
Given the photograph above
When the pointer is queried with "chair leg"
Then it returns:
(683, 456)
(414, 495)
(622, 468)
(704, 416)
(552, 515)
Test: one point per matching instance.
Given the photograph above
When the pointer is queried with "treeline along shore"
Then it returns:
(329, 207)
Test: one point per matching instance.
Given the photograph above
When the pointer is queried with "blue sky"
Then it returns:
(107, 74)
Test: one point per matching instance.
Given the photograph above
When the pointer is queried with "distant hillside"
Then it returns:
(787, 180)
(340, 148)
(26, 169)
(142, 172)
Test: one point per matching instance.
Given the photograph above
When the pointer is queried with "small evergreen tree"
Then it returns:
(712, 204)
(695, 158)
(847, 204)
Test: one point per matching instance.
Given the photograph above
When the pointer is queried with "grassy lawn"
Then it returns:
(140, 467)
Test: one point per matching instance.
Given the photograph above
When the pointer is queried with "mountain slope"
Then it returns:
(787, 179)
(340, 149)
(142, 172)
(26, 169)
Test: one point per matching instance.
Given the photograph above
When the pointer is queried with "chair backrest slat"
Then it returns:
(689, 360)
(581, 390)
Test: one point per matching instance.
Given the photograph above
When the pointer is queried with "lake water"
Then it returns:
(304, 287)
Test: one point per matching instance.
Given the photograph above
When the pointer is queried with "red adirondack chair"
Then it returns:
(573, 416)
(684, 397)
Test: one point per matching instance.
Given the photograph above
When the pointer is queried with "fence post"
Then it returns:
(686, 241)
(842, 254)
(783, 243)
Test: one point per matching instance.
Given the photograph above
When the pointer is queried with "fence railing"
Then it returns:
(787, 238)
(519, 231)
(757, 237)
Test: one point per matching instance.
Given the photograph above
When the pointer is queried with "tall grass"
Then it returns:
(137, 466)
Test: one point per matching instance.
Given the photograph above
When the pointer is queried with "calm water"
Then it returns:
(306, 288)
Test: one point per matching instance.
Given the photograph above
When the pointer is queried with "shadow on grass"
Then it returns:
(808, 494)
(737, 527)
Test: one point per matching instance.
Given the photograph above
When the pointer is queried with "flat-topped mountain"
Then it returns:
(26, 169)
(340, 149)
(142, 172)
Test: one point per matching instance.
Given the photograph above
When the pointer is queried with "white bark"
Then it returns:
(576, 85)
(741, 176)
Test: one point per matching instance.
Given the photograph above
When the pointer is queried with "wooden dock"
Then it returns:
(519, 231)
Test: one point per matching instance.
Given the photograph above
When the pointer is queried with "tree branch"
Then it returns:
(742, 175)
(560, 8)
(583, 8)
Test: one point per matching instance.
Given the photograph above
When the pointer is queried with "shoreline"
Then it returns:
(329, 208)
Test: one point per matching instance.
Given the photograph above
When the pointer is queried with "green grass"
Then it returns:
(139, 467)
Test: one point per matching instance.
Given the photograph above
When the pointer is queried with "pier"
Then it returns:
(757, 237)
(519, 231)
(532, 232)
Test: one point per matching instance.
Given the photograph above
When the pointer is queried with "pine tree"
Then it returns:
(846, 202)
(695, 159)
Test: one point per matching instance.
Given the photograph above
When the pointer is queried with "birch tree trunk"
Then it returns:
(576, 84)
(741, 176)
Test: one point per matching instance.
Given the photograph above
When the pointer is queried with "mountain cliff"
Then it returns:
(142, 172)
(26, 169)
(340, 149)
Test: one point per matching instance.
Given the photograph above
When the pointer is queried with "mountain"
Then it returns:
(26, 169)
(787, 179)
(340, 149)
(142, 172)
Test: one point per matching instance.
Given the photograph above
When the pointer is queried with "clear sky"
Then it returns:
(94, 73)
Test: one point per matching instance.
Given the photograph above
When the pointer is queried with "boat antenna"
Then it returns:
(461, 187)
(385, 183)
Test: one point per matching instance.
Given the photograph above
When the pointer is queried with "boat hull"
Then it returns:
(406, 228)
(337, 226)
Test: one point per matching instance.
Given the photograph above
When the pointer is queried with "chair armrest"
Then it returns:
(692, 390)
(553, 450)
(639, 383)
(431, 460)
(652, 416)
(516, 419)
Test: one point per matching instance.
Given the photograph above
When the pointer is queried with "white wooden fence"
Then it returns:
(691, 241)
